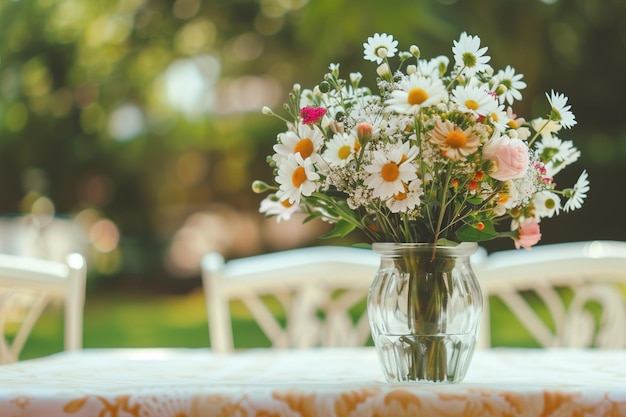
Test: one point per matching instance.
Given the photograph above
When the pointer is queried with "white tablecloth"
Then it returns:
(343, 382)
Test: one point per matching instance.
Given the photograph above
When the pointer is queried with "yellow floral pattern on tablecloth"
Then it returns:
(315, 383)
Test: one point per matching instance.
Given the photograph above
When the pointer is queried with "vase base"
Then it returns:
(425, 358)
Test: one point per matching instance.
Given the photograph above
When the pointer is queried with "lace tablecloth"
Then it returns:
(342, 382)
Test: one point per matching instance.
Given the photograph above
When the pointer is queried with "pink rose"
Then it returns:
(528, 234)
(510, 157)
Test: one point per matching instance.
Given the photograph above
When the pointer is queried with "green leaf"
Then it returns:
(475, 200)
(470, 233)
(446, 242)
(341, 229)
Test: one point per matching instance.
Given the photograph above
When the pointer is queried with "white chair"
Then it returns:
(316, 287)
(27, 286)
(564, 280)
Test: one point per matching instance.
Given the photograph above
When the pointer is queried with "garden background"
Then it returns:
(139, 121)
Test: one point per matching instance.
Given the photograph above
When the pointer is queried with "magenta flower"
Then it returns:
(312, 115)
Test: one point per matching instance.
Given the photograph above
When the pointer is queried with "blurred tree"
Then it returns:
(147, 111)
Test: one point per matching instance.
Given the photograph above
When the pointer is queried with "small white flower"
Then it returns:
(296, 177)
(356, 77)
(509, 197)
(283, 210)
(340, 149)
(577, 194)
(500, 119)
(515, 124)
(416, 92)
(556, 154)
(474, 100)
(513, 83)
(560, 110)
(406, 200)
(469, 56)
(388, 174)
(546, 204)
(545, 127)
(306, 141)
(379, 47)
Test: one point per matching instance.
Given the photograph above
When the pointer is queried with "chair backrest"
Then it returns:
(317, 288)
(564, 294)
(27, 286)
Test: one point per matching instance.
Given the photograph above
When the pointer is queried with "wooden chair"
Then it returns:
(316, 288)
(27, 286)
(565, 294)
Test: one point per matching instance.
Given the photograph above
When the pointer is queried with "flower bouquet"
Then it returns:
(437, 155)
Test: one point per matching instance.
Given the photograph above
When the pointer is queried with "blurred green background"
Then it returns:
(131, 129)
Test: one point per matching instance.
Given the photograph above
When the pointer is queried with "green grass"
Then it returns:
(113, 320)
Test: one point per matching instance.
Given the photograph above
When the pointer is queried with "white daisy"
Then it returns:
(545, 127)
(416, 92)
(469, 56)
(433, 67)
(512, 83)
(474, 100)
(500, 119)
(341, 149)
(560, 110)
(306, 141)
(546, 204)
(283, 210)
(516, 125)
(509, 196)
(379, 47)
(296, 177)
(389, 173)
(556, 154)
(577, 194)
(408, 199)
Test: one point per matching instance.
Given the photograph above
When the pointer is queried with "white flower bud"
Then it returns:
(355, 77)
(411, 69)
(415, 50)
(383, 70)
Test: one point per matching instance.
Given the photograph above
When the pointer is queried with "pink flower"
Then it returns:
(312, 115)
(509, 157)
(528, 234)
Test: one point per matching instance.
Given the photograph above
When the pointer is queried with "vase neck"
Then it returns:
(424, 249)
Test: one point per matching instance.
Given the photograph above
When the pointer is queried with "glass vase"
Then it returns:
(424, 308)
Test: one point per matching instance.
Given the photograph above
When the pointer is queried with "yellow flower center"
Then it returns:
(399, 196)
(471, 104)
(298, 177)
(344, 152)
(390, 172)
(305, 147)
(494, 117)
(513, 124)
(402, 194)
(417, 96)
(286, 203)
(456, 139)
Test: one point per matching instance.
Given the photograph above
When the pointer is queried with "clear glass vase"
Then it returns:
(425, 307)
